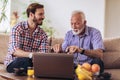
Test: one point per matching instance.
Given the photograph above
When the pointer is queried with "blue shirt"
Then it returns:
(90, 40)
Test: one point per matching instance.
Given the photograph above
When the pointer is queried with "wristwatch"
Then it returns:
(82, 52)
(30, 55)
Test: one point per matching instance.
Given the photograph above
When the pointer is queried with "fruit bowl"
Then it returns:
(87, 71)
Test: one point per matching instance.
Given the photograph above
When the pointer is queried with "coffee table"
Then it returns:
(25, 78)
(5, 78)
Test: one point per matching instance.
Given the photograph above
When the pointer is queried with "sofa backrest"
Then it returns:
(56, 41)
(112, 44)
(111, 56)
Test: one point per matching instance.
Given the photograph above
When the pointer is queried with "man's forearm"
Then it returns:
(21, 53)
(94, 53)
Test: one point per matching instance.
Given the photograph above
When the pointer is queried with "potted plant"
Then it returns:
(49, 30)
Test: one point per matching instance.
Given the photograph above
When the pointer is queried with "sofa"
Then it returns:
(111, 57)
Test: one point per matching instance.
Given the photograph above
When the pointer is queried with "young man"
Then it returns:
(83, 41)
(27, 37)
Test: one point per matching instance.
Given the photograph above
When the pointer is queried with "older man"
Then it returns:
(83, 41)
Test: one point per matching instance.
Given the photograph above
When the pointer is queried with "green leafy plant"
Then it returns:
(47, 28)
(3, 10)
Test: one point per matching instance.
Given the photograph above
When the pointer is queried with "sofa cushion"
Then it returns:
(3, 46)
(111, 60)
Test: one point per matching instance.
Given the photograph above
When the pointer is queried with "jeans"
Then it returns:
(99, 62)
(20, 63)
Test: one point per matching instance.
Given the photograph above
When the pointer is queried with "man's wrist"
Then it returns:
(30, 55)
(83, 51)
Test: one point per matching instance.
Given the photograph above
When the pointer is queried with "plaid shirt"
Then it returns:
(21, 38)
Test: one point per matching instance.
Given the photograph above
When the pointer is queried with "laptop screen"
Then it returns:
(53, 65)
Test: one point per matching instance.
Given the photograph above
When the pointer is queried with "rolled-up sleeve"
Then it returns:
(97, 40)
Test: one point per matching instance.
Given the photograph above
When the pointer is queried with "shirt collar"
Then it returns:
(86, 30)
(37, 29)
(26, 27)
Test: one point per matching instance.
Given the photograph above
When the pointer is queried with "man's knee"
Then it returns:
(19, 63)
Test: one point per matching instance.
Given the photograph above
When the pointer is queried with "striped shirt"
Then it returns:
(20, 38)
(90, 40)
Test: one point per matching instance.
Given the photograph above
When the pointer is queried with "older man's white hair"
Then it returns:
(80, 13)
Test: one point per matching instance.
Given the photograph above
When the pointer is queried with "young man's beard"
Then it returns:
(36, 21)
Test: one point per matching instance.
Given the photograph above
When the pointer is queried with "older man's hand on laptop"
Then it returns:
(73, 49)
(57, 48)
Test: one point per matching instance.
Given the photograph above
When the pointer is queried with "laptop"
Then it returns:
(53, 65)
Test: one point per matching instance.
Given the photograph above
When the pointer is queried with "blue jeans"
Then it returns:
(99, 62)
(19, 63)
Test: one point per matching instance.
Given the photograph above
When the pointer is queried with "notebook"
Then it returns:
(53, 65)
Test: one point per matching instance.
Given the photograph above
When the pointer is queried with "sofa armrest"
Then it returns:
(111, 59)
(4, 39)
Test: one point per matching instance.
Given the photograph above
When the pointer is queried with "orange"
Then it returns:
(87, 66)
(95, 68)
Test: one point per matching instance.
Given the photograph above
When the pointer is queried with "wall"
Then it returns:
(58, 12)
(20, 7)
(112, 19)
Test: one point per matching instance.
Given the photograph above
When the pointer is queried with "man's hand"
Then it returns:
(21, 53)
(57, 48)
(73, 49)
